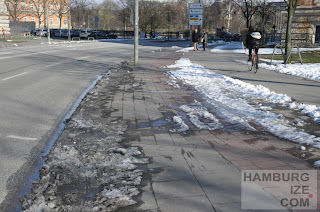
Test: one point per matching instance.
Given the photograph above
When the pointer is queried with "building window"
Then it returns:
(64, 9)
(32, 7)
(317, 2)
(57, 8)
(39, 8)
(58, 21)
(24, 19)
(51, 8)
(40, 21)
(33, 19)
(24, 6)
(51, 20)
(65, 21)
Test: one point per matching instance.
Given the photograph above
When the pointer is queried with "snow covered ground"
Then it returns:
(308, 71)
(237, 47)
(242, 104)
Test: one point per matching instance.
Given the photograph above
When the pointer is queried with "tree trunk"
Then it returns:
(228, 16)
(288, 31)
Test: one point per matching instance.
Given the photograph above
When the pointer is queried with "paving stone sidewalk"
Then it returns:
(199, 170)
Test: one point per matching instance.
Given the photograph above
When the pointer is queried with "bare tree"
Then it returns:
(181, 18)
(108, 12)
(248, 9)
(79, 11)
(291, 8)
(14, 9)
(227, 12)
(212, 15)
(125, 9)
(170, 13)
(144, 6)
(62, 10)
(39, 9)
(265, 12)
(154, 17)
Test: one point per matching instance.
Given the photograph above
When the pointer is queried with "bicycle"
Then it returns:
(253, 64)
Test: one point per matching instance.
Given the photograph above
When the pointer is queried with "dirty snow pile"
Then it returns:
(88, 169)
(182, 127)
(173, 82)
(200, 117)
(243, 104)
(308, 71)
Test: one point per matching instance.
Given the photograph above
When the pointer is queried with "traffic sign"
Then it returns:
(195, 19)
(96, 19)
(195, 11)
(195, 6)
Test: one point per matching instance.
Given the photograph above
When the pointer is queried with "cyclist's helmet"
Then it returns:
(256, 35)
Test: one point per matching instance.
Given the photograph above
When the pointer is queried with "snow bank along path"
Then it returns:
(239, 103)
(308, 71)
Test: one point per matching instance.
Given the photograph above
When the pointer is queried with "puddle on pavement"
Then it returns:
(159, 123)
(152, 170)
(144, 125)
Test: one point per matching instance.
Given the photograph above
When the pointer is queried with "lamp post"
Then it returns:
(48, 22)
(136, 32)
(69, 16)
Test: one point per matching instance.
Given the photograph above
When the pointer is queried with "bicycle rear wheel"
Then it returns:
(255, 61)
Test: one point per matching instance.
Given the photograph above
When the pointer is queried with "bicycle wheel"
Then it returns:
(255, 61)
(250, 65)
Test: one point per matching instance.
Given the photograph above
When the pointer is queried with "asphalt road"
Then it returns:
(38, 86)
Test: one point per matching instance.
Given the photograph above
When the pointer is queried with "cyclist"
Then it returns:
(252, 41)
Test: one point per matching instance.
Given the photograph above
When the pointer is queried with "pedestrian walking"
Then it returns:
(204, 40)
(195, 39)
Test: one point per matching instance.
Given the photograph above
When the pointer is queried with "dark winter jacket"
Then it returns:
(250, 41)
(195, 36)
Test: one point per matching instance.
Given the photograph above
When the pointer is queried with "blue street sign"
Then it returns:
(96, 19)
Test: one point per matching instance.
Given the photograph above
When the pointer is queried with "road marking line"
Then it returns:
(21, 138)
(53, 64)
(14, 76)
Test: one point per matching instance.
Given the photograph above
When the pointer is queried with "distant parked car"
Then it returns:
(42, 32)
(76, 33)
(112, 36)
(65, 33)
(52, 32)
(98, 34)
(33, 32)
(85, 33)
(58, 33)
(226, 36)
(236, 37)
(30, 32)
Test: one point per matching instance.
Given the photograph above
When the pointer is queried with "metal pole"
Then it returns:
(69, 36)
(136, 31)
(48, 22)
